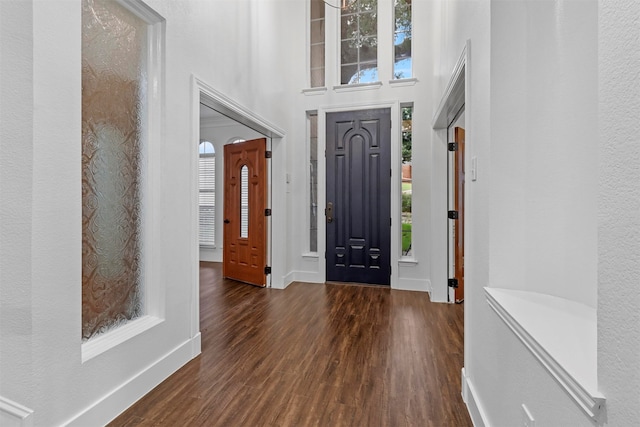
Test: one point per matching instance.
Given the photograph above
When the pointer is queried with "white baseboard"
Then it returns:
(196, 345)
(308, 276)
(286, 280)
(301, 276)
(117, 401)
(470, 397)
(420, 285)
(13, 414)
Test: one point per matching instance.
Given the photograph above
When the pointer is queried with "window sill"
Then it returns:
(403, 82)
(358, 86)
(98, 345)
(408, 261)
(207, 246)
(561, 334)
(314, 91)
(311, 255)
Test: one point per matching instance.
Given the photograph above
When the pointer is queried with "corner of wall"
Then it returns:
(117, 401)
(470, 397)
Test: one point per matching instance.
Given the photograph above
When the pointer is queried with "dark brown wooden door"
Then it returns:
(245, 201)
(359, 196)
(459, 206)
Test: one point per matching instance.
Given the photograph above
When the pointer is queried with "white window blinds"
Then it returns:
(207, 198)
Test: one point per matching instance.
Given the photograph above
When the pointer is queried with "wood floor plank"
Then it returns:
(314, 355)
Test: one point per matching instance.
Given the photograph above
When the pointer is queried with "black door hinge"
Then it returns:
(453, 214)
(267, 154)
(453, 283)
(267, 212)
(267, 270)
(453, 146)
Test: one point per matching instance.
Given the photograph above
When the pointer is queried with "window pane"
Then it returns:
(348, 52)
(317, 56)
(402, 67)
(369, 50)
(244, 202)
(317, 77)
(349, 27)
(368, 24)
(407, 182)
(359, 42)
(313, 182)
(317, 9)
(317, 31)
(368, 73)
(114, 75)
(317, 41)
(207, 179)
(351, 6)
(349, 74)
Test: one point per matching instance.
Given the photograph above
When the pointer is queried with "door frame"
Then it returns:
(396, 185)
(276, 167)
(453, 99)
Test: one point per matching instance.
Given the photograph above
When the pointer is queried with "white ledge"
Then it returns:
(403, 82)
(314, 91)
(561, 334)
(101, 343)
(14, 413)
(358, 86)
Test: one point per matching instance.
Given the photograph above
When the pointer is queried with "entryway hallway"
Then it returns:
(314, 355)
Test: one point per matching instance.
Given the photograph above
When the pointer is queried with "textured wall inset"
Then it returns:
(113, 91)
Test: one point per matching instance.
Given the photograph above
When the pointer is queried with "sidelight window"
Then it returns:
(407, 182)
(312, 123)
(207, 196)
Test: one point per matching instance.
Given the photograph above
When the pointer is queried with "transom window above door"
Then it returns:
(355, 44)
(359, 42)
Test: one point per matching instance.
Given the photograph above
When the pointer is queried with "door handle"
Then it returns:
(329, 212)
(226, 221)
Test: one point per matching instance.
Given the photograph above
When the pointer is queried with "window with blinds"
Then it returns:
(207, 203)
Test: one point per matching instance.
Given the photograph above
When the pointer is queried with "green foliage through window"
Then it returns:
(402, 64)
(359, 42)
(407, 181)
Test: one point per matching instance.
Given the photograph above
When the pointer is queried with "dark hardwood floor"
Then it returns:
(314, 355)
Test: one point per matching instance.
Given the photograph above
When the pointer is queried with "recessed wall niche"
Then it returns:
(114, 105)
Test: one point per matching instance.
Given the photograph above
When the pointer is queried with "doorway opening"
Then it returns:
(456, 211)
(222, 121)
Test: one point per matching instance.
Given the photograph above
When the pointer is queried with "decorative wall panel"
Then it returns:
(114, 45)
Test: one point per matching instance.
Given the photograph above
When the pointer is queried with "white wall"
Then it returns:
(41, 206)
(531, 121)
(544, 147)
(619, 211)
(16, 190)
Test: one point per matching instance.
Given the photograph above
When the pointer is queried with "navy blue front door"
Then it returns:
(359, 196)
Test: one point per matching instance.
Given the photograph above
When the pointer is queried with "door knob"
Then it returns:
(329, 212)
(226, 221)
